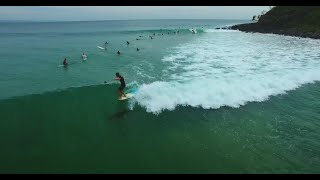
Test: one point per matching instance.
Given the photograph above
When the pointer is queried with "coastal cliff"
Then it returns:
(301, 21)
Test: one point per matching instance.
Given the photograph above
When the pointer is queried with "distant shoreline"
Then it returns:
(299, 21)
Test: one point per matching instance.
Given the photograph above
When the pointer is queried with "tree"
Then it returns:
(258, 17)
(254, 18)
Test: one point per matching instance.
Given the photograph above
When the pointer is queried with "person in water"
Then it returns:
(84, 56)
(137, 49)
(65, 63)
(118, 52)
(128, 43)
(122, 86)
(105, 45)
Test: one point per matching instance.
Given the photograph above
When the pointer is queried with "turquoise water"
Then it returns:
(218, 101)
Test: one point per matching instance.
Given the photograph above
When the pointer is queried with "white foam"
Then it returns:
(231, 70)
(221, 30)
(193, 30)
(214, 93)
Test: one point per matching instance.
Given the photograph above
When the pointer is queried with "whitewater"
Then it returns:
(231, 68)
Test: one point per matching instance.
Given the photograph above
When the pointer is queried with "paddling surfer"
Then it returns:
(65, 63)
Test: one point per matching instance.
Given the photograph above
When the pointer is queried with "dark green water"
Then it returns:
(80, 131)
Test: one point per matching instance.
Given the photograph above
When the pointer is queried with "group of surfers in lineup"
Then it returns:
(118, 76)
(84, 56)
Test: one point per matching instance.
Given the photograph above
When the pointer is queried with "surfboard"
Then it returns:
(100, 47)
(128, 96)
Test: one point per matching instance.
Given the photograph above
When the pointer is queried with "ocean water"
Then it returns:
(217, 101)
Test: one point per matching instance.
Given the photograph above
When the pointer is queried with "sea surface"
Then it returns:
(213, 101)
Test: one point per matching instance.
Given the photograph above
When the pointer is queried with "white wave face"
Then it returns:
(231, 70)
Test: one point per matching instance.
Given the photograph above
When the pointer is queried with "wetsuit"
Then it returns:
(123, 84)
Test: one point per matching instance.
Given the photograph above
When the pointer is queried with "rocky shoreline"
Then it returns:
(255, 27)
(299, 21)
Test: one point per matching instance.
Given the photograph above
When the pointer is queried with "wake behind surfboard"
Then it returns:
(61, 65)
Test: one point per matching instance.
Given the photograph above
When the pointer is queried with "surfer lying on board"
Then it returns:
(122, 86)
(65, 63)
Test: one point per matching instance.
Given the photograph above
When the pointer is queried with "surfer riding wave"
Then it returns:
(122, 86)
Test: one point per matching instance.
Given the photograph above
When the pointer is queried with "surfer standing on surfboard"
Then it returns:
(122, 86)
